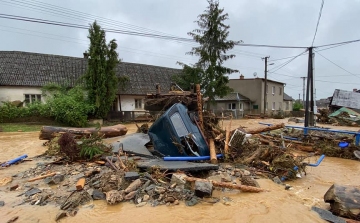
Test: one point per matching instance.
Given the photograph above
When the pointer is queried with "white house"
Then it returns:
(23, 74)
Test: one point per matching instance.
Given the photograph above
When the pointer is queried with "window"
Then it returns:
(267, 105)
(280, 106)
(280, 90)
(255, 106)
(241, 106)
(232, 106)
(273, 106)
(138, 103)
(267, 89)
(287, 105)
(31, 98)
(179, 125)
(273, 90)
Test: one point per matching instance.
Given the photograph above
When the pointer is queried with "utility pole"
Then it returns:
(303, 98)
(265, 87)
(309, 114)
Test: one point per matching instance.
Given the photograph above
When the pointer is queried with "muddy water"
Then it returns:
(278, 205)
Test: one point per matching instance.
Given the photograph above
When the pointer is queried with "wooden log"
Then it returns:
(266, 142)
(227, 139)
(199, 107)
(42, 177)
(266, 128)
(344, 200)
(80, 184)
(213, 158)
(47, 132)
(228, 185)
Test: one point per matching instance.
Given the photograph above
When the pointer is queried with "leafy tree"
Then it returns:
(212, 36)
(297, 106)
(188, 76)
(100, 79)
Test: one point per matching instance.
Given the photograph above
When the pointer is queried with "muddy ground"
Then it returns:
(278, 205)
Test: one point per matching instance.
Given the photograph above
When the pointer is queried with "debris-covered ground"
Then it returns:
(60, 189)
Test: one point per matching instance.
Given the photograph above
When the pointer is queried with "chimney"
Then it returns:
(86, 55)
(242, 77)
(355, 90)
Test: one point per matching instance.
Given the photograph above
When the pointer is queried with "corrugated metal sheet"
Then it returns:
(347, 99)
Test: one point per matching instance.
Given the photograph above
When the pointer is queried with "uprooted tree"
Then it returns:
(100, 79)
(212, 36)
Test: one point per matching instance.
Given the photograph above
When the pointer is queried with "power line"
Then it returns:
(339, 43)
(336, 82)
(318, 21)
(287, 62)
(356, 75)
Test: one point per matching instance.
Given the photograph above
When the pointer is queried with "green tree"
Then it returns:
(189, 75)
(297, 106)
(100, 78)
(212, 37)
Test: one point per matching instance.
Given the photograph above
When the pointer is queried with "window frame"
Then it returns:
(273, 90)
(273, 106)
(231, 106)
(32, 98)
(138, 103)
(280, 90)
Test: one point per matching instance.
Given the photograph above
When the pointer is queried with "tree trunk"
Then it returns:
(228, 185)
(48, 132)
(266, 128)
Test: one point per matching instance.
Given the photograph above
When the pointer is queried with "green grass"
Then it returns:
(15, 127)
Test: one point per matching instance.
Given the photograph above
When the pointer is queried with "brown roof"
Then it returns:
(34, 69)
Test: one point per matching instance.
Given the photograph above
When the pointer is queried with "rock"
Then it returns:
(114, 196)
(146, 197)
(344, 200)
(287, 187)
(176, 202)
(2, 203)
(246, 173)
(131, 175)
(150, 188)
(146, 184)
(169, 199)
(192, 202)
(327, 215)
(179, 179)
(160, 190)
(141, 204)
(133, 186)
(130, 195)
(203, 189)
(248, 181)
(221, 177)
(277, 180)
(58, 178)
(60, 215)
(98, 195)
(32, 192)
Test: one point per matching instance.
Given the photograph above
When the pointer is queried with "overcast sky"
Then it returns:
(272, 22)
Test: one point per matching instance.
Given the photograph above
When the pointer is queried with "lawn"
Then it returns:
(20, 127)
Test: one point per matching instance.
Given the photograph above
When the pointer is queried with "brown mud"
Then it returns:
(278, 205)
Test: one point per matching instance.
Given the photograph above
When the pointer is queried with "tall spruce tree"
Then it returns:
(212, 36)
(100, 78)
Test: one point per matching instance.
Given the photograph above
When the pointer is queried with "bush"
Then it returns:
(9, 111)
(70, 107)
(297, 106)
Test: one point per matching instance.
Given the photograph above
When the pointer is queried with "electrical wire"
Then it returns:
(339, 43)
(287, 62)
(356, 75)
(318, 21)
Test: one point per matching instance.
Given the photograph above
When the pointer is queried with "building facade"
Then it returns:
(254, 88)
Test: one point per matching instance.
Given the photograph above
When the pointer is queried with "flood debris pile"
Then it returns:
(341, 117)
(329, 143)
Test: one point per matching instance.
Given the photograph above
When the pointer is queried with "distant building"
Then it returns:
(342, 98)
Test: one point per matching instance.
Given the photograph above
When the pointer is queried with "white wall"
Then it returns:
(14, 93)
(128, 102)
